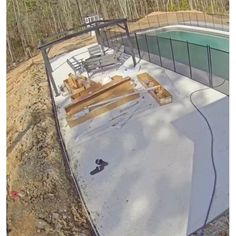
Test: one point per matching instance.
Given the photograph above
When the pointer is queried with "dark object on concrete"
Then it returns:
(97, 170)
(101, 162)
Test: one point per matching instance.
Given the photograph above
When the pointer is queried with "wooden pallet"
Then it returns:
(160, 94)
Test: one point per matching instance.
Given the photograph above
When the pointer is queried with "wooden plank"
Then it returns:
(67, 85)
(94, 87)
(101, 110)
(70, 84)
(116, 77)
(160, 94)
(105, 88)
(76, 85)
(78, 90)
(120, 90)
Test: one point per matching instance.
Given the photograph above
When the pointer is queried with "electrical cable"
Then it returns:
(212, 154)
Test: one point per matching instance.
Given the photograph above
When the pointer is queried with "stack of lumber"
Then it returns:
(160, 94)
(78, 85)
(117, 92)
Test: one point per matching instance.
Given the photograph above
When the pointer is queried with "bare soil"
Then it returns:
(41, 200)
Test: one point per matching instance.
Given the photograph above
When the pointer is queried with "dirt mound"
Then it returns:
(41, 200)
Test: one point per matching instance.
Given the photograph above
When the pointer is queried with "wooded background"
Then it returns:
(28, 21)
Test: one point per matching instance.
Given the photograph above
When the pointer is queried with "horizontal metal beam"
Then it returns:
(105, 23)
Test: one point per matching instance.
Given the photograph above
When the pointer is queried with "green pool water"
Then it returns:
(217, 42)
(159, 43)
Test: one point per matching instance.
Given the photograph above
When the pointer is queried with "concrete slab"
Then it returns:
(158, 179)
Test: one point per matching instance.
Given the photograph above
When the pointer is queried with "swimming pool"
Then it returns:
(177, 47)
(214, 41)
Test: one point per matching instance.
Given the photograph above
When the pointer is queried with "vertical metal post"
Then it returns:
(130, 44)
(122, 39)
(189, 15)
(49, 70)
(211, 82)
(110, 39)
(189, 61)
(172, 52)
(108, 43)
(136, 39)
(158, 46)
(147, 47)
(99, 38)
(209, 66)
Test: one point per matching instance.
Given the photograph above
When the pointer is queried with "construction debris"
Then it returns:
(101, 100)
(95, 99)
(161, 95)
(80, 85)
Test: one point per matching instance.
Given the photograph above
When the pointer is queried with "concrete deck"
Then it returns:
(159, 176)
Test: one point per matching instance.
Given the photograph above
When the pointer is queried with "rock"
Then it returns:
(55, 215)
(41, 224)
(58, 226)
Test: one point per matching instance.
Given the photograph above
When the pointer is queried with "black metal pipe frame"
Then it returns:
(189, 61)
(66, 159)
(172, 52)
(210, 62)
(159, 50)
(137, 45)
(93, 26)
(145, 36)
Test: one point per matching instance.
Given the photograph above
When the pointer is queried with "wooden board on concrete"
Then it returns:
(120, 90)
(69, 85)
(116, 77)
(160, 94)
(101, 110)
(106, 89)
(85, 92)
(78, 90)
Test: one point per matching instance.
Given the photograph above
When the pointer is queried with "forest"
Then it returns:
(28, 21)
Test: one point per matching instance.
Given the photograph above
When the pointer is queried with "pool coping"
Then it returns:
(190, 28)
